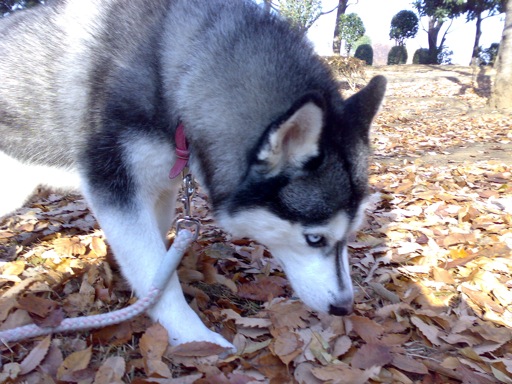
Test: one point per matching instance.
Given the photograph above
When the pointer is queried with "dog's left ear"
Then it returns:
(294, 139)
(360, 109)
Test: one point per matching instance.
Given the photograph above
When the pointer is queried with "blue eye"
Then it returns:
(316, 241)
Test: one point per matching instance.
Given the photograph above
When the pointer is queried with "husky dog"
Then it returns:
(91, 95)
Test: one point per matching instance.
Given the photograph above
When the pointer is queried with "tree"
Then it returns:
(488, 56)
(301, 13)
(351, 29)
(342, 8)
(480, 10)
(501, 97)
(438, 12)
(404, 25)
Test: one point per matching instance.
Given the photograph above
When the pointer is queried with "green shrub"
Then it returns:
(397, 55)
(421, 56)
(365, 52)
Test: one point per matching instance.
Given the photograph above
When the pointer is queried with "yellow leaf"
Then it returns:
(14, 268)
(458, 253)
(75, 362)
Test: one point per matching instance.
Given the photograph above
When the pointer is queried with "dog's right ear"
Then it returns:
(293, 139)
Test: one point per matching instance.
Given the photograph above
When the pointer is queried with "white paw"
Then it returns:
(200, 335)
(186, 327)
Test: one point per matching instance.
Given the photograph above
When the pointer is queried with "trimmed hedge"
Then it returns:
(421, 56)
(397, 55)
(365, 52)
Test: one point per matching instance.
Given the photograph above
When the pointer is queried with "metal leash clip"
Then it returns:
(188, 222)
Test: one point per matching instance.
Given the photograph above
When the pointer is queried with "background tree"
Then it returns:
(488, 55)
(438, 12)
(501, 97)
(301, 13)
(404, 25)
(341, 10)
(351, 29)
(480, 10)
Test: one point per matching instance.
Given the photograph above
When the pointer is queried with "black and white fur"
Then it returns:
(91, 92)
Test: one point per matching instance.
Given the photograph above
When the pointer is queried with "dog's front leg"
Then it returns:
(136, 234)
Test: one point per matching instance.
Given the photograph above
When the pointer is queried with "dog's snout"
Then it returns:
(341, 310)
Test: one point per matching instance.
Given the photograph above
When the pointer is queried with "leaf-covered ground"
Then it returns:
(432, 269)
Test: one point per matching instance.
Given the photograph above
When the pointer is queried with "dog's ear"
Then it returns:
(360, 109)
(293, 139)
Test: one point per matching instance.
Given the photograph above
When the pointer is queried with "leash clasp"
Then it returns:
(188, 222)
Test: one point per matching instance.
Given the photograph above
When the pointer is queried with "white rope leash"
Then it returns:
(169, 264)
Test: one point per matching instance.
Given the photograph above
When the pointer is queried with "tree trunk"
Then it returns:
(434, 26)
(476, 45)
(501, 97)
(336, 43)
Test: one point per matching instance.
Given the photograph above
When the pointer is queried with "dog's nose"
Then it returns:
(341, 310)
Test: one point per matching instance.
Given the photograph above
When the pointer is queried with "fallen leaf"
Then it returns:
(371, 355)
(197, 349)
(111, 371)
(35, 356)
(408, 364)
(343, 374)
(36, 305)
(75, 362)
(287, 346)
(154, 342)
(431, 332)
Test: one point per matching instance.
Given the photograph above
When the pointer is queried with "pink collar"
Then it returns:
(182, 152)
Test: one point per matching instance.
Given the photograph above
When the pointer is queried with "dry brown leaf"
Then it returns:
(272, 367)
(343, 374)
(69, 247)
(75, 362)
(154, 342)
(197, 349)
(370, 355)
(341, 346)
(367, 329)
(36, 305)
(303, 374)
(431, 332)
(6, 305)
(35, 356)
(287, 346)
(52, 361)
(286, 314)
(111, 371)
(263, 288)
(98, 246)
(408, 364)
(114, 335)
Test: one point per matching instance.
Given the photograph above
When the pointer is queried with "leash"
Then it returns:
(187, 231)
(169, 264)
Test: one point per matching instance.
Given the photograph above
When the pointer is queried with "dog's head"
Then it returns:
(304, 193)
